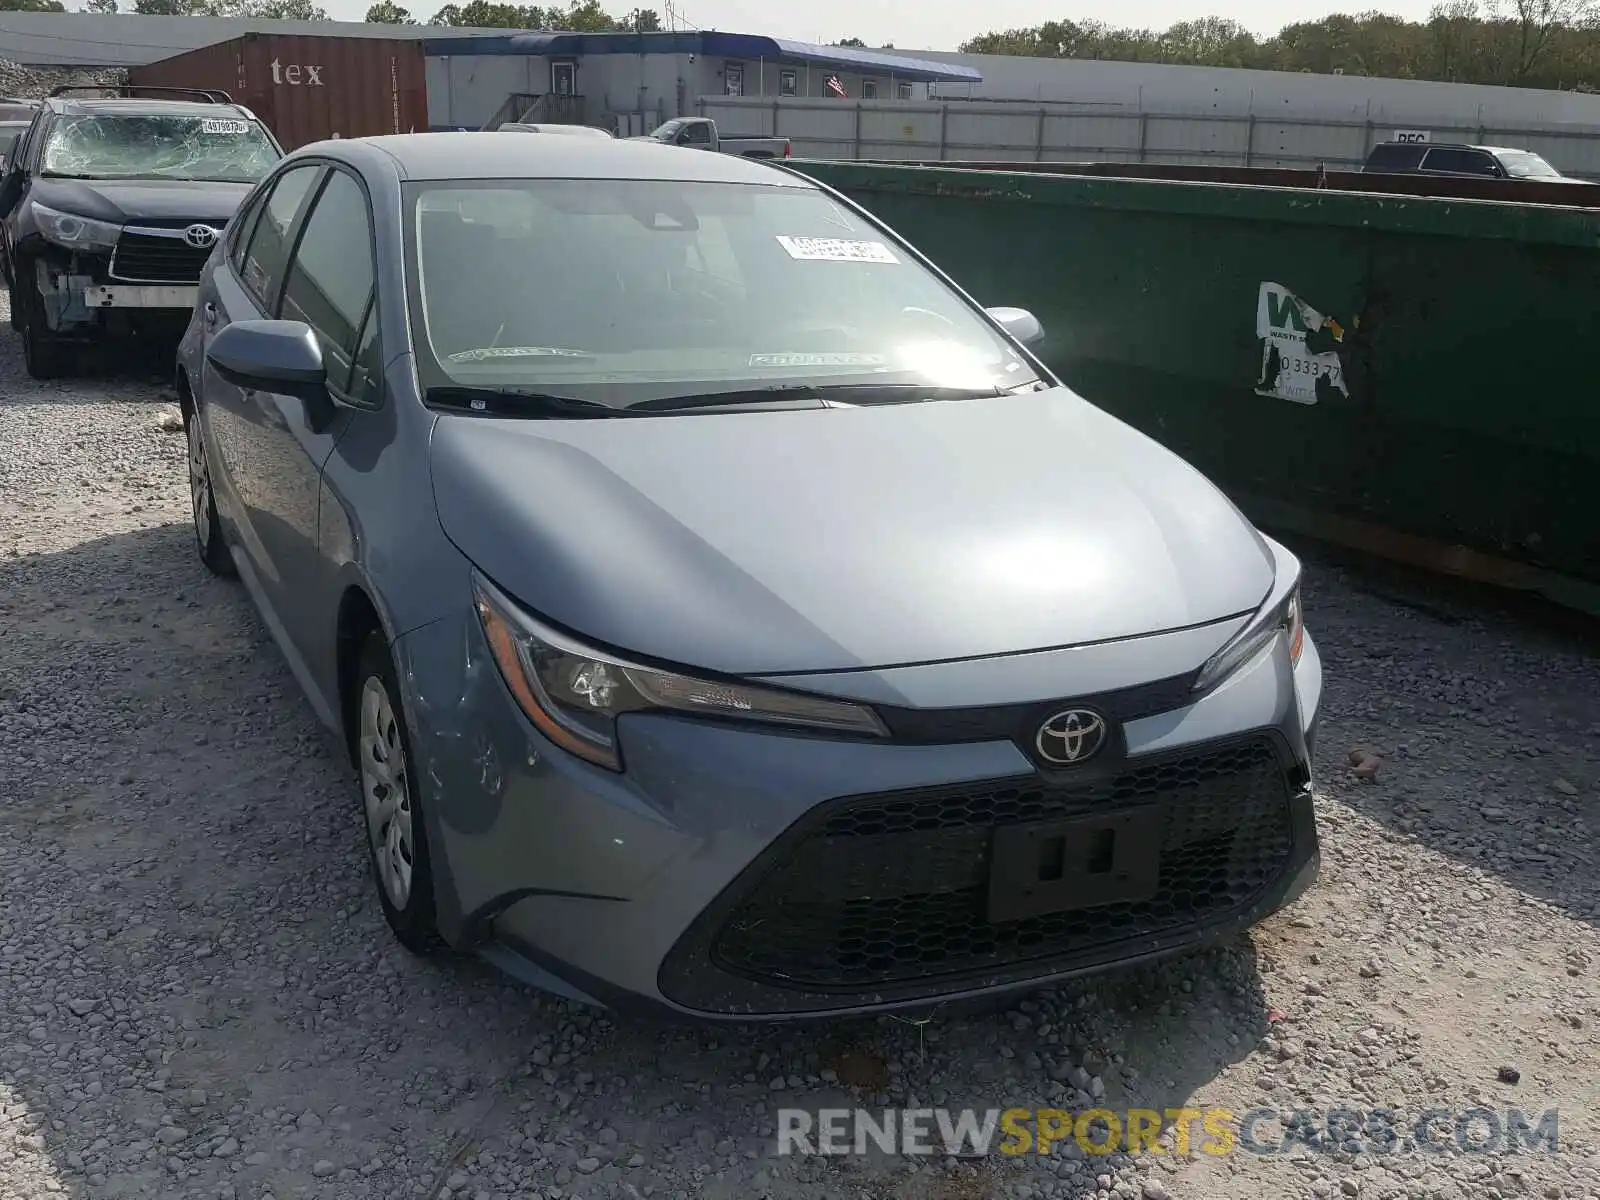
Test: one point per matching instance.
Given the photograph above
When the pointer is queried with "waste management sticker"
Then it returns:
(1290, 369)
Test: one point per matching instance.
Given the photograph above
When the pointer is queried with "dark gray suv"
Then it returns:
(1473, 162)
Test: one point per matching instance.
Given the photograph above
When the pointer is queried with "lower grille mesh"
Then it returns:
(894, 887)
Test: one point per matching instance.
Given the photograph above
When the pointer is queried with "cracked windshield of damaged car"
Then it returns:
(221, 149)
(621, 291)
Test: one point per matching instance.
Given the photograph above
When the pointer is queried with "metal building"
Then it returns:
(631, 82)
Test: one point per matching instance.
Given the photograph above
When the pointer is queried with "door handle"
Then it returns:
(209, 312)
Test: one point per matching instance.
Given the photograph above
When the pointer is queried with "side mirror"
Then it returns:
(271, 356)
(1019, 323)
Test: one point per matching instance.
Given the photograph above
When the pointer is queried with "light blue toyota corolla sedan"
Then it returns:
(725, 613)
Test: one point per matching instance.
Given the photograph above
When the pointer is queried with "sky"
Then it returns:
(944, 24)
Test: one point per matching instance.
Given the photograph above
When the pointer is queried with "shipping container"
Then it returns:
(1401, 373)
(309, 88)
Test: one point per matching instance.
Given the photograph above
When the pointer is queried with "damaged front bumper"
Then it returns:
(81, 294)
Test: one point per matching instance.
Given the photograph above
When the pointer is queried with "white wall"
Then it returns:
(976, 130)
(1157, 88)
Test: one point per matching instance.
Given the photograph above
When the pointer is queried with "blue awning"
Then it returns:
(849, 58)
(743, 46)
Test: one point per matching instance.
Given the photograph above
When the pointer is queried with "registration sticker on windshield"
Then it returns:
(219, 125)
(840, 359)
(820, 249)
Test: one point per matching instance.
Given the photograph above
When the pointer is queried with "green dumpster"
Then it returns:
(1406, 373)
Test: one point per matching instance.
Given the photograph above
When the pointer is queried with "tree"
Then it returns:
(1524, 43)
(642, 20)
(851, 42)
(584, 16)
(32, 6)
(101, 6)
(1534, 23)
(387, 12)
(272, 10)
(485, 14)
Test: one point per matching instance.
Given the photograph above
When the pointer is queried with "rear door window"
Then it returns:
(1394, 156)
(268, 251)
(1459, 162)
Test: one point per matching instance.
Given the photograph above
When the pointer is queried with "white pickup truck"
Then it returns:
(700, 133)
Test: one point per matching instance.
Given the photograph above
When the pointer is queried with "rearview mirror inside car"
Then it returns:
(271, 356)
(1020, 324)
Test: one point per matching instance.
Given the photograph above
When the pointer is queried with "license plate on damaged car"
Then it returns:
(1058, 866)
(141, 295)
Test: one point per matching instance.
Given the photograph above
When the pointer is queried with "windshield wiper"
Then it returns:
(790, 393)
(517, 402)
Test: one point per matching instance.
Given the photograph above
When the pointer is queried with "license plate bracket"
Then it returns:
(1085, 862)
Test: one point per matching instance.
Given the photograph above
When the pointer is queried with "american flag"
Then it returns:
(834, 86)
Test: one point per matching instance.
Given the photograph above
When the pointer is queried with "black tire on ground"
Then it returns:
(203, 502)
(42, 352)
(413, 925)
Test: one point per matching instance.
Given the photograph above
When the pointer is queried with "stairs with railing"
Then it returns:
(551, 108)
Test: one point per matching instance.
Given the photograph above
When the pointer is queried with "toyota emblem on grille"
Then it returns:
(1071, 736)
(201, 237)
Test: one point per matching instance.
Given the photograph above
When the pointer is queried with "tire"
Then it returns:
(397, 840)
(203, 503)
(43, 354)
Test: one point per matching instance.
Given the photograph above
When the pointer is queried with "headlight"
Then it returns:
(1280, 614)
(75, 232)
(573, 695)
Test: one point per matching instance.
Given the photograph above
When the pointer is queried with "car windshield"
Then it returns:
(618, 292)
(159, 147)
(666, 130)
(1522, 164)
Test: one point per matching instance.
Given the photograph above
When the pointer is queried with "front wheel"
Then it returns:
(42, 352)
(397, 842)
(203, 502)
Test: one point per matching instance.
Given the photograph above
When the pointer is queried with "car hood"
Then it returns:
(127, 202)
(795, 541)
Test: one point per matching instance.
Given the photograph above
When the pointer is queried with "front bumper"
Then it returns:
(739, 874)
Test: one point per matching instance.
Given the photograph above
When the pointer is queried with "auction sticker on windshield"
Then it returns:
(218, 125)
(817, 249)
(838, 359)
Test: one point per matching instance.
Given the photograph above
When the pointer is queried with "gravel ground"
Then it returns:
(198, 996)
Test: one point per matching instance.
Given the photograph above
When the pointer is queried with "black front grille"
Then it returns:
(143, 258)
(892, 888)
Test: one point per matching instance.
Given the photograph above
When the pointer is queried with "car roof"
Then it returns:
(134, 106)
(480, 155)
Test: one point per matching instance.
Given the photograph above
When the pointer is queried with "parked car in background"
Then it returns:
(700, 133)
(751, 625)
(1478, 162)
(109, 208)
(15, 114)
